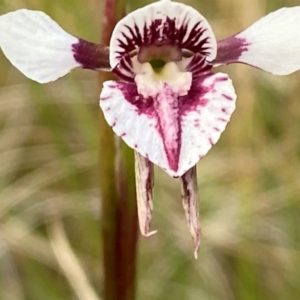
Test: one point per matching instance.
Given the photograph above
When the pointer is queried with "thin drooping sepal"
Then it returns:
(43, 51)
(272, 43)
(144, 178)
(189, 192)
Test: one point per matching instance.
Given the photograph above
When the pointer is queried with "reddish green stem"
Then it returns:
(117, 187)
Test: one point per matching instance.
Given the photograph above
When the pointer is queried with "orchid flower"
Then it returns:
(167, 104)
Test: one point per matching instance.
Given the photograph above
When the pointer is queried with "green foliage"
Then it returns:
(50, 246)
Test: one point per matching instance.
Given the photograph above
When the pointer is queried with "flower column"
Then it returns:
(117, 189)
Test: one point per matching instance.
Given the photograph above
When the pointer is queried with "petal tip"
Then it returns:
(197, 242)
(148, 234)
(36, 45)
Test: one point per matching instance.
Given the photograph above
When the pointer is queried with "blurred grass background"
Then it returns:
(50, 246)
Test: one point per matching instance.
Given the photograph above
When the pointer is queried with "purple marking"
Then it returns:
(169, 126)
(123, 134)
(91, 56)
(211, 141)
(224, 110)
(195, 98)
(172, 33)
(105, 98)
(199, 66)
(230, 50)
(124, 69)
(222, 120)
(220, 79)
(227, 97)
(143, 105)
(197, 123)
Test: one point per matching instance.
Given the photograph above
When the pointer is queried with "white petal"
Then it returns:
(271, 44)
(201, 117)
(36, 45)
(162, 23)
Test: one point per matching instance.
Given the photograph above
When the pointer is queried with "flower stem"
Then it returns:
(117, 188)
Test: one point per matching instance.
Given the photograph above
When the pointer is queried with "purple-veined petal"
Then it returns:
(162, 23)
(271, 43)
(42, 50)
(172, 131)
(144, 178)
(189, 191)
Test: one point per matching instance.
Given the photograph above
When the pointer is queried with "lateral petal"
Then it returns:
(42, 50)
(271, 43)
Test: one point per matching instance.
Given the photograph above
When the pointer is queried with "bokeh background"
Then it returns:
(50, 242)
